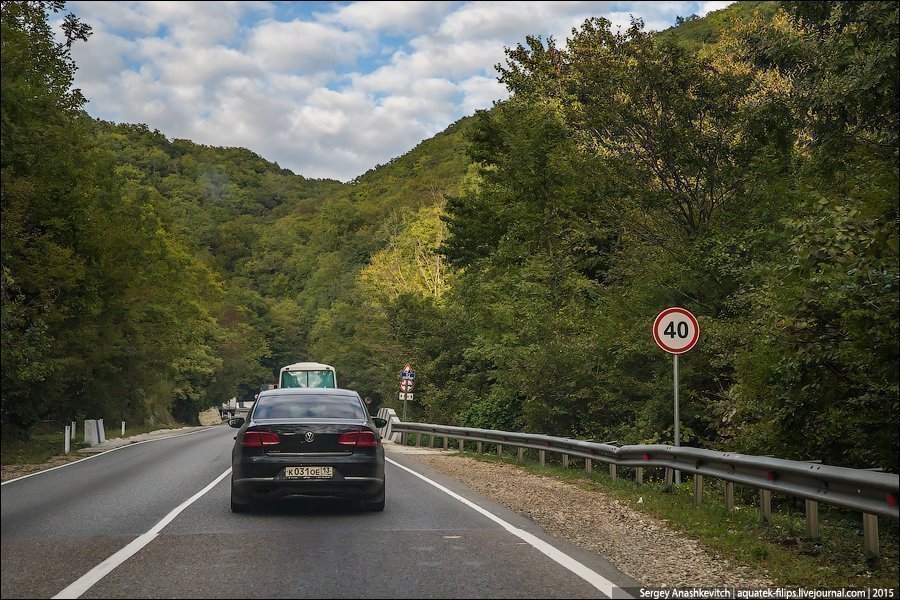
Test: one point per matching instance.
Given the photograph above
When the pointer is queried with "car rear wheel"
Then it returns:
(375, 504)
(238, 507)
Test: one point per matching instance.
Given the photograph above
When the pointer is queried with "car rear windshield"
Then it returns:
(313, 406)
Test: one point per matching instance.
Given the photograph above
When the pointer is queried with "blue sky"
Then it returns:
(326, 89)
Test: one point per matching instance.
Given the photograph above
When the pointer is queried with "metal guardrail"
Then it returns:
(870, 492)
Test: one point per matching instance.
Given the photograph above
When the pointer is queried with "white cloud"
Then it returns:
(514, 20)
(304, 46)
(103, 57)
(708, 7)
(204, 66)
(404, 16)
(430, 59)
(480, 92)
(329, 93)
(187, 22)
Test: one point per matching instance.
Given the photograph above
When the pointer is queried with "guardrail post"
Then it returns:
(520, 455)
(541, 457)
(870, 535)
(698, 488)
(462, 444)
(499, 450)
(478, 447)
(639, 475)
(669, 475)
(729, 496)
(446, 442)
(812, 519)
(765, 505)
(418, 440)
(612, 471)
(587, 465)
(565, 461)
(404, 439)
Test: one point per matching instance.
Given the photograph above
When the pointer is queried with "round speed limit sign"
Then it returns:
(676, 330)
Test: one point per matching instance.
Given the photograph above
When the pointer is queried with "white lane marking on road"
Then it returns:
(563, 559)
(87, 581)
(75, 462)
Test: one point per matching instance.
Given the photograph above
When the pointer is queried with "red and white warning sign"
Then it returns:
(676, 330)
(406, 385)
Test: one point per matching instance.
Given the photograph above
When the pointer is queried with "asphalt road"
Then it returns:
(58, 526)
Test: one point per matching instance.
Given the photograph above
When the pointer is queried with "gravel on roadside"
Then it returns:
(639, 545)
(8, 472)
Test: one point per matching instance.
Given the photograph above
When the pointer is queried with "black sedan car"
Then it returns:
(307, 442)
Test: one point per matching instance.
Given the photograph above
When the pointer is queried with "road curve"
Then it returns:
(435, 539)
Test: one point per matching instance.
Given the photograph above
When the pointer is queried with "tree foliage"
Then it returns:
(753, 181)
(743, 165)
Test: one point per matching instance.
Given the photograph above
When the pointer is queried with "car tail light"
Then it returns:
(258, 439)
(360, 439)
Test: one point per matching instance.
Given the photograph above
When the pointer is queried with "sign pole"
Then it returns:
(677, 433)
(406, 385)
(676, 331)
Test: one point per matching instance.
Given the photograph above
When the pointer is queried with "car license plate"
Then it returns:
(307, 472)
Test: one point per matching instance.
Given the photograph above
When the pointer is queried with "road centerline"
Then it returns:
(89, 579)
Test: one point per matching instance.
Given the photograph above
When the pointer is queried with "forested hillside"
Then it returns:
(291, 252)
(744, 166)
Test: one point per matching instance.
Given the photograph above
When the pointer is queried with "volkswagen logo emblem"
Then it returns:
(309, 436)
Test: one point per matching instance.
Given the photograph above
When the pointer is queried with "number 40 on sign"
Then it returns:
(676, 331)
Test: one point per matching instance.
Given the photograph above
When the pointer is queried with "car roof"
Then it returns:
(308, 391)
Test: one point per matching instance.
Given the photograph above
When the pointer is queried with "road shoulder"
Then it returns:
(641, 546)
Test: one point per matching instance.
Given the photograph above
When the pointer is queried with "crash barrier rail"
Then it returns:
(871, 492)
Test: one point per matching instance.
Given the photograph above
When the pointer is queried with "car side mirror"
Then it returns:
(236, 422)
(379, 422)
